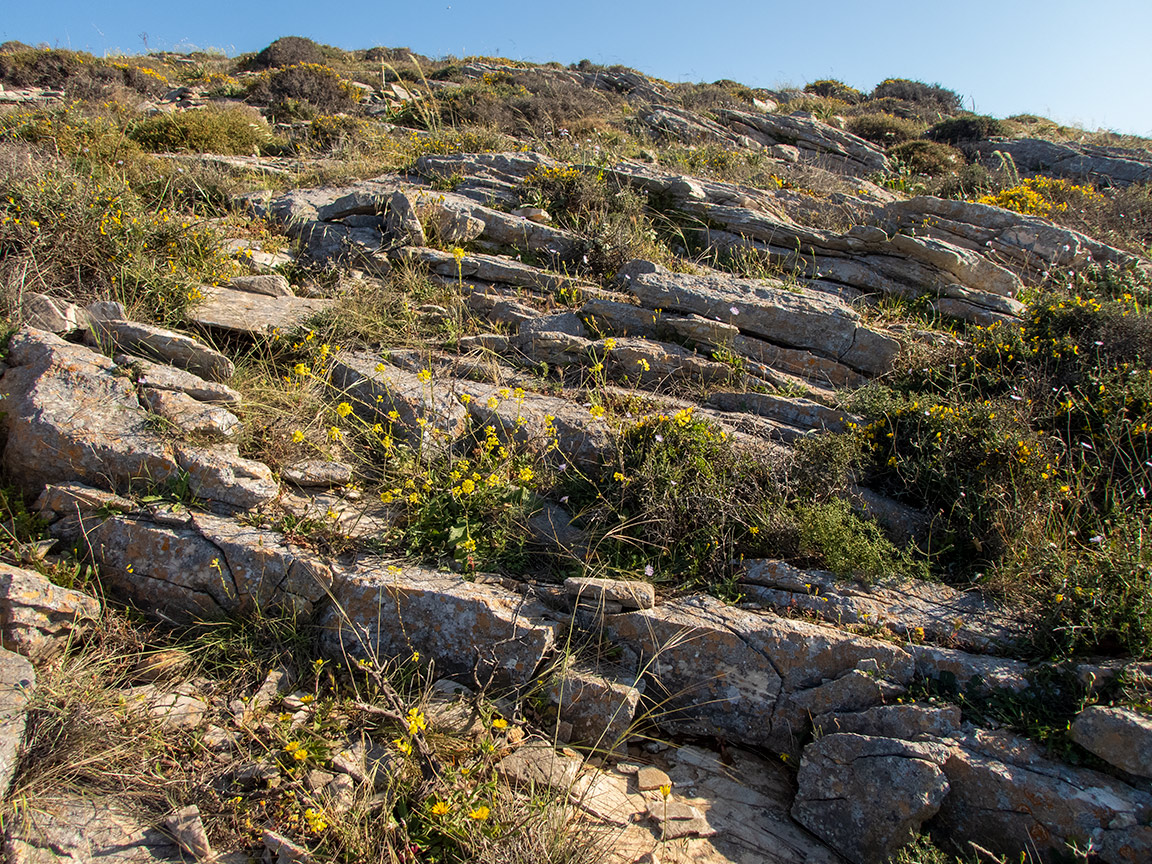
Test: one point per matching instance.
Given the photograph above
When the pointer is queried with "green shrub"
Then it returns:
(897, 108)
(885, 129)
(98, 239)
(36, 68)
(970, 127)
(818, 106)
(928, 157)
(710, 97)
(830, 88)
(230, 130)
(931, 96)
(609, 215)
(969, 181)
(293, 50)
(1031, 447)
(679, 500)
(840, 541)
(83, 76)
(302, 91)
(685, 501)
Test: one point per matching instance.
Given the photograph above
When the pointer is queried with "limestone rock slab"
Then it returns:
(176, 349)
(1120, 736)
(467, 628)
(866, 796)
(17, 681)
(254, 314)
(37, 618)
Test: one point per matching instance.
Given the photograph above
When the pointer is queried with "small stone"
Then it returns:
(278, 682)
(190, 415)
(218, 739)
(1120, 736)
(285, 850)
(187, 829)
(53, 314)
(74, 499)
(650, 779)
(318, 473)
(37, 618)
(317, 779)
(533, 214)
(340, 792)
(173, 710)
(161, 664)
(630, 595)
(106, 310)
(675, 829)
(672, 811)
(539, 765)
(17, 680)
(273, 285)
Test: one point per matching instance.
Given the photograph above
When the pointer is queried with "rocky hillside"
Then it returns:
(469, 460)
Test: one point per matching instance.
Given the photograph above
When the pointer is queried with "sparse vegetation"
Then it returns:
(1024, 443)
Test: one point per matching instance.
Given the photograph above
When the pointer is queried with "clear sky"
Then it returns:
(1077, 62)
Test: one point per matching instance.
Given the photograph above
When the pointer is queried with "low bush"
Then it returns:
(885, 129)
(81, 75)
(79, 223)
(830, 88)
(970, 127)
(292, 51)
(685, 502)
(819, 106)
(380, 54)
(226, 130)
(1043, 196)
(930, 96)
(516, 103)
(1031, 447)
(303, 91)
(928, 157)
(610, 215)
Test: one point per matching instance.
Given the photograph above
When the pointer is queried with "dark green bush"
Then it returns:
(830, 88)
(931, 96)
(885, 129)
(303, 91)
(928, 157)
(290, 50)
(970, 127)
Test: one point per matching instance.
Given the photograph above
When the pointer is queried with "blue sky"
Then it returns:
(1078, 62)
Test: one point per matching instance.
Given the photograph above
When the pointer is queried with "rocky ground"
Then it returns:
(236, 627)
